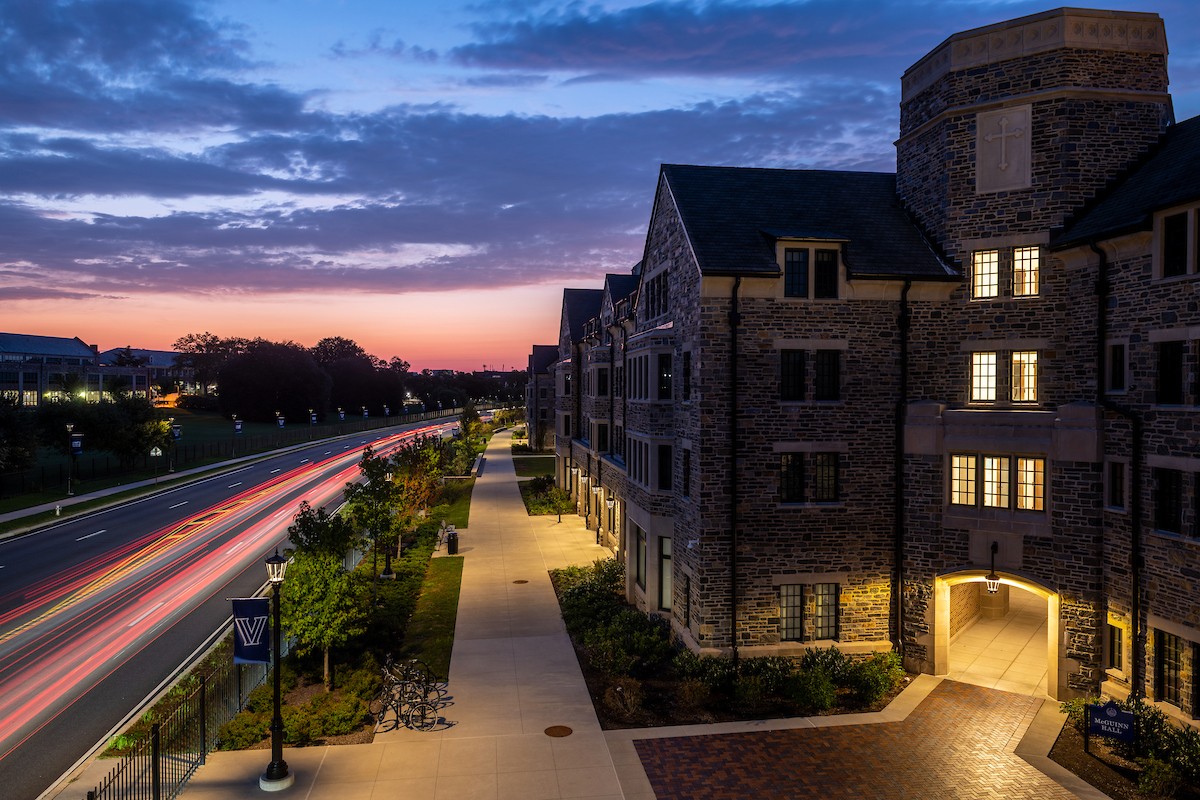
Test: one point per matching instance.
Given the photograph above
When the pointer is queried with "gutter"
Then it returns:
(1137, 663)
(735, 319)
(903, 324)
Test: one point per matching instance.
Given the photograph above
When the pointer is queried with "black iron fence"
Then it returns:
(160, 765)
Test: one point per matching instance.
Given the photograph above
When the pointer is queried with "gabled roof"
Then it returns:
(28, 344)
(620, 286)
(1168, 177)
(733, 215)
(541, 358)
(580, 305)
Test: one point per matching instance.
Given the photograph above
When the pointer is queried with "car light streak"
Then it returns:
(65, 634)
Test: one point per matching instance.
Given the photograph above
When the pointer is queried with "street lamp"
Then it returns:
(277, 776)
(70, 456)
(992, 580)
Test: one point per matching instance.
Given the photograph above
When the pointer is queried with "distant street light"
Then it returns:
(70, 456)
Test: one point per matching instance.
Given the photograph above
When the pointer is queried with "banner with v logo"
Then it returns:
(251, 643)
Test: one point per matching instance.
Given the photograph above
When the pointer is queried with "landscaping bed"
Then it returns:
(638, 677)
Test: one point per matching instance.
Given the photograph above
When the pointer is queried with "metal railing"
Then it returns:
(160, 765)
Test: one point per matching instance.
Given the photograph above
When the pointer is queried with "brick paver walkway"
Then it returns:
(958, 743)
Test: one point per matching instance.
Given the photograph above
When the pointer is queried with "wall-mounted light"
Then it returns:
(610, 501)
(993, 580)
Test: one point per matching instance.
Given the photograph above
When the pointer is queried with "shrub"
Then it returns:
(1158, 779)
(332, 715)
(243, 731)
(834, 662)
(298, 726)
(691, 694)
(716, 673)
(624, 697)
(608, 655)
(749, 692)
(773, 671)
(364, 680)
(872, 678)
(645, 638)
(811, 689)
(541, 484)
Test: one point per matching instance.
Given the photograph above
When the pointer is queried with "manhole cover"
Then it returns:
(558, 731)
(520, 581)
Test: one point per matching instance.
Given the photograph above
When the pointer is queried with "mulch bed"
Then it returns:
(1109, 772)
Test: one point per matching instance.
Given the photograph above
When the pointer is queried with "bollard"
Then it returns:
(58, 511)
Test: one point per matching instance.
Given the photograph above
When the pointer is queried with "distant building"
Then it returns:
(161, 365)
(36, 368)
(539, 397)
(865, 410)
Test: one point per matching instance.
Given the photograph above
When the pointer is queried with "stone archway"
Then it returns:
(1011, 609)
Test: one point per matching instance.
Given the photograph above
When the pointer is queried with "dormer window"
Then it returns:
(1178, 252)
(820, 282)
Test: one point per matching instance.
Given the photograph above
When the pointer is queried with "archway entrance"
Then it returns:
(1007, 640)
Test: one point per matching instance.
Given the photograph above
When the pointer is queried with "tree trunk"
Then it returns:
(328, 674)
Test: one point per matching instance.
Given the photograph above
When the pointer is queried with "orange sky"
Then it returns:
(461, 330)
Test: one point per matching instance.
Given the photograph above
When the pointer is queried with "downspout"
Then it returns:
(1103, 288)
(904, 326)
(735, 319)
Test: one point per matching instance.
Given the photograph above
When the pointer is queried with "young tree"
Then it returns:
(560, 501)
(315, 530)
(322, 605)
(372, 506)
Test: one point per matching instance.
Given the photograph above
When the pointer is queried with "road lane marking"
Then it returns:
(235, 485)
(274, 471)
(327, 452)
(304, 461)
(150, 611)
(90, 535)
(177, 505)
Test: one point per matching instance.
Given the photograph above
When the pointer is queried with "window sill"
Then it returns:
(1175, 536)
(1117, 510)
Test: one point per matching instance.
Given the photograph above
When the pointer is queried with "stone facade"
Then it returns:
(845, 464)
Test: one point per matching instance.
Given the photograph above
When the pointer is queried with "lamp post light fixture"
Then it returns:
(277, 776)
(992, 580)
(611, 502)
(70, 456)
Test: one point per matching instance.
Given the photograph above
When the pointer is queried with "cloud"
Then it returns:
(723, 38)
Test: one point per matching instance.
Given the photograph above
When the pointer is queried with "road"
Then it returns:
(97, 611)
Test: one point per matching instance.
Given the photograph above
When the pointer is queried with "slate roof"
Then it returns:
(24, 343)
(1168, 177)
(541, 358)
(580, 305)
(621, 286)
(734, 214)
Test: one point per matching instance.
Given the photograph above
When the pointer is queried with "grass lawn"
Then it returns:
(430, 635)
(458, 491)
(533, 466)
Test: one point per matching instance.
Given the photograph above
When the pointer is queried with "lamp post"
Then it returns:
(70, 456)
(992, 580)
(277, 776)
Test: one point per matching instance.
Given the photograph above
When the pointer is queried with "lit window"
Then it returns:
(1168, 662)
(825, 610)
(983, 377)
(1115, 651)
(995, 481)
(791, 612)
(985, 273)
(1025, 271)
(1031, 484)
(962, 480)
(1024, 376)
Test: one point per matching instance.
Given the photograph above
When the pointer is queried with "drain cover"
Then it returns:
(520, 581)
(558, 731)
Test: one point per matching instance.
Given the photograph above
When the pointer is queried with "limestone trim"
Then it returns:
(1041, 96)
(810, 447)
(1180, 334)
(1170, 626)
(975, 345)
(1182, 463)
(999, 242)
(807, 578)
(1064, 28)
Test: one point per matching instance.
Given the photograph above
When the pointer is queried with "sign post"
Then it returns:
(1109, 721)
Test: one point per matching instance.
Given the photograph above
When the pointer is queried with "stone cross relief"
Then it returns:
(1003, 136)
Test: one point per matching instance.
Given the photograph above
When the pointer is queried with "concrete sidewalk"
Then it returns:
(513, 675)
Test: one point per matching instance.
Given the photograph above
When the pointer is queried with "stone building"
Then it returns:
(865, 409)
(539, 396)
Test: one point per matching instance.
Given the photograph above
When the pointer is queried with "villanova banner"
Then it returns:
(251, 645)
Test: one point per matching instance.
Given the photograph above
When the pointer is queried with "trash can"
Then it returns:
(452, 542)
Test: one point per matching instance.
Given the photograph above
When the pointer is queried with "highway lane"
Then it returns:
(96, 611)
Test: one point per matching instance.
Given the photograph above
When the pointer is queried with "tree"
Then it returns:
(315, 530)
(560, 501)
(371, 505)
(205, 354)
(417, 478)
(322, 605)
(337, 348)
(126, 358)
(270, 377)
(18, 441)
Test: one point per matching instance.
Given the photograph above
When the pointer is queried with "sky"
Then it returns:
(421, 177)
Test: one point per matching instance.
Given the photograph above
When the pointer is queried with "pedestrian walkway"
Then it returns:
(516, 688)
